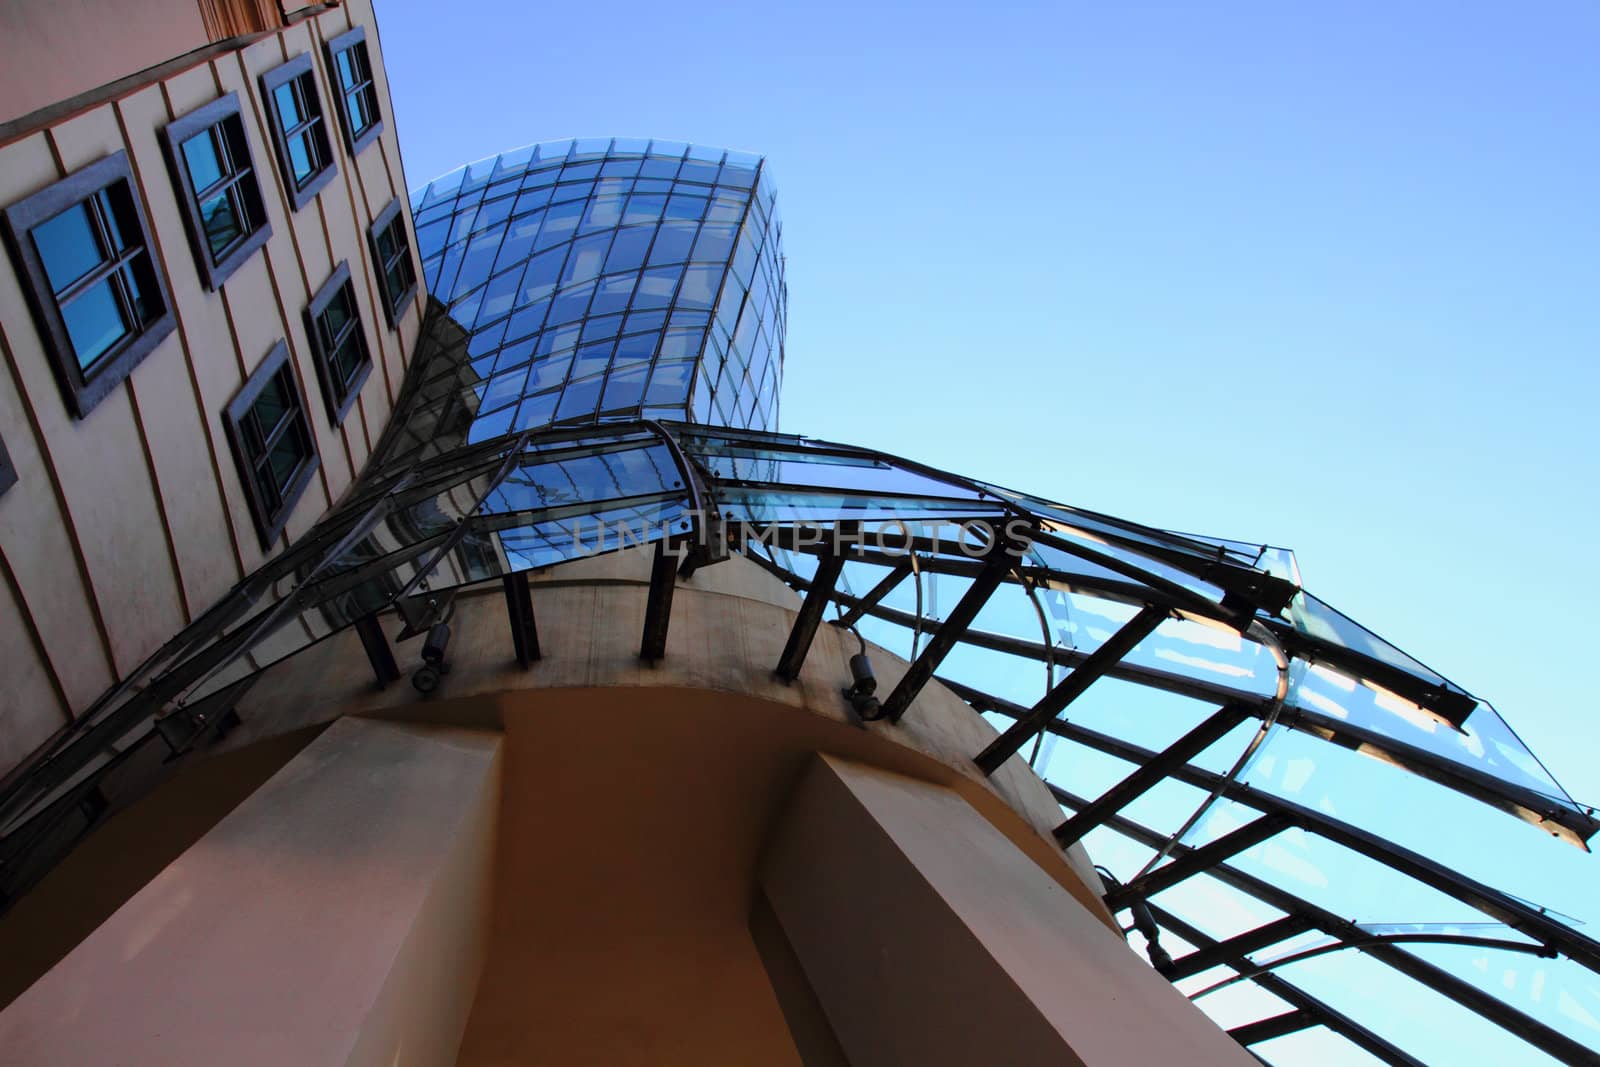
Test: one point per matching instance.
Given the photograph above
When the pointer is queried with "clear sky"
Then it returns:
(1322, 275)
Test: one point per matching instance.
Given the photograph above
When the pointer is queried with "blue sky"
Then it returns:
(1321, 275)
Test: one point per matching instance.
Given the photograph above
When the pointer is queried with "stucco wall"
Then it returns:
(125, 525)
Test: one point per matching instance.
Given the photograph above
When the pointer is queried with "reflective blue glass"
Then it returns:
(577, 235)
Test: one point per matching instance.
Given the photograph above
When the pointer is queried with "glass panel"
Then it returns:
(223, 227)
(628, 249)
(624, 389)
(656, 287)
(550, 372)
(673, 241)
(580, 399)
(289, 114)
(275, 401)
(94, 322)
(68, 246)
(302, 157)
(339, 311)
(202, 156)
(700, 287)
(348, 359)
(345, 61)
(143, 293)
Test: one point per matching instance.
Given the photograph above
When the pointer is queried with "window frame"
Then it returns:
(298, 68)
(269, 521)
(354, 141)
(388, 217)
(338, 403)
(244, 176)
(83, 388)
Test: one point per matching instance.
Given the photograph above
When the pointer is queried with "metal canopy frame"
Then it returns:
(385, 543)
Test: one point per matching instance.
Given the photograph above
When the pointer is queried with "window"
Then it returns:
(391, 255)
(217, 188)
(299, 134)
(334, 325)
(358, 94)
(271, 440)
(96, 290)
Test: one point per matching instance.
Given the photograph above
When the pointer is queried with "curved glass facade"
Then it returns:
(605, 278)
(1337, 852)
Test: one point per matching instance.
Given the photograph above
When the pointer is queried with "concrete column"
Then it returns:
(337, 917)
(928, 938)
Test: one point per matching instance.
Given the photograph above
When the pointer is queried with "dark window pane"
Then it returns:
(94, 322)
(122, 225)
(143, 293)
(68, 246)
(285, 459)
(275, 401)
(348, 358)
(222, 223)
(337, 314)
(397, 279)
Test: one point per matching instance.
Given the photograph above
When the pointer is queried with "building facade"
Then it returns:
(720, 744)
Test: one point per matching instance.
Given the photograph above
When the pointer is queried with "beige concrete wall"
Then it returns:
(728, 628)
(336, 917)
(53, 49)
(127, 524)
(929, 939)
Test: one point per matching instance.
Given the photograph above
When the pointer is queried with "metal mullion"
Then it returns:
(278, 429)
(1098, 663)
(1499, 906)
(1197, 860)
(1236, 948)
(1337, 1021)
(896, 575)
(824, 490)
(297, 89)
(1412, 966)
(727, 271)
(920, 671)
(222, 184)
(116, 261)
(460, 530)
(1152, 771)
(507, 520)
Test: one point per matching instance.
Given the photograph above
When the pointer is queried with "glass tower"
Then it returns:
(608, 278)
